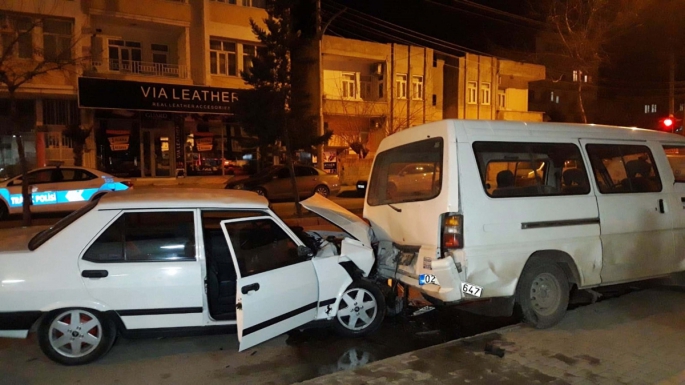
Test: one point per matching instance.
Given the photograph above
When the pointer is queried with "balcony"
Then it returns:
(130, 67)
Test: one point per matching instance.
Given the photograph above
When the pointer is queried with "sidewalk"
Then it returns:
(638, 338)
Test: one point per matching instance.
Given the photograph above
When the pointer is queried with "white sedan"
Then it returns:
(164, 260)
(58, 188)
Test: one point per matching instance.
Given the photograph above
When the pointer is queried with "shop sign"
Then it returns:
(330, 161)
(118, 143)
(141, 96)
(204, 144)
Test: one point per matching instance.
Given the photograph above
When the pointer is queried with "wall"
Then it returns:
(352, 170)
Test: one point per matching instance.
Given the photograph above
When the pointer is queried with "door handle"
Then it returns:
(239, 306)
(94, 273)
(249, 288)
(661, 206)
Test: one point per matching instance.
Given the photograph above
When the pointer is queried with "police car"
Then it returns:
(57, 188)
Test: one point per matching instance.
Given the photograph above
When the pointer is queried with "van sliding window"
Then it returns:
(621, 168)
(676, 158)
(518, 169)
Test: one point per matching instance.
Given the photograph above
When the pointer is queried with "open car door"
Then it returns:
(276, 290)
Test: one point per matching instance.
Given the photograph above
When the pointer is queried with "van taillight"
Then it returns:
(452, 231)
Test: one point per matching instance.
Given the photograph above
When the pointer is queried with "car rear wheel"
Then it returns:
(543, 294)
(76, 336)
(322, 190)
(361, 310)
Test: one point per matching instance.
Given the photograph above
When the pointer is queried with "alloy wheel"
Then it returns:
(75, 333)
(358, 309)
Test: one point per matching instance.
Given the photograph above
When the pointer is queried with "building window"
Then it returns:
(472, 93)
(160, 53)
(401, 85)
(557, 99)
(124, 56)
(381, 87)
(249, 51)
(682, 106)
(646, 108)
(417, 87)
(17, 35)
(60, 112)
(576, 75)
(226, 1)
(365, 87)
(435, 99)
(57, 39)
(485, 93)
(255, 3)
(222, 58)
(551, 96)
(349, 85)
(653, 107)
(435, 59)
(502, 100)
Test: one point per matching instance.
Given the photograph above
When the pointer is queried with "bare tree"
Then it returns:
(582, 29)
(23, 62)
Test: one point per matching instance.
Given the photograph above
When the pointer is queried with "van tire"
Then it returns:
(543, 294)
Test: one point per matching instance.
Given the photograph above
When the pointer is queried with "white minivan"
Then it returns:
(520, 213)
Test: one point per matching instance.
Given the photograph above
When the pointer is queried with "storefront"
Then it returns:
(161, 130)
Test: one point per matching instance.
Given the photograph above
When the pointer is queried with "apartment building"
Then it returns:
(485, 87)
(371, 90)
(156, 88)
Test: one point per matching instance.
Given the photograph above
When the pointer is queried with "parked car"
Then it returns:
(55, 189)
(145, 261)
(520, 213)
(274, 182)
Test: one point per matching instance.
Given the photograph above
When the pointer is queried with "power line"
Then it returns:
(497, 11)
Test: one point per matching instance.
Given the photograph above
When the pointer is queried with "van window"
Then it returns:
(511, 169)
(408, 173)
(623, 168)
(676, 158)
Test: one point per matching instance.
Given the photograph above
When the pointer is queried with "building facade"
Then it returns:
(486, 88)
(158, 78)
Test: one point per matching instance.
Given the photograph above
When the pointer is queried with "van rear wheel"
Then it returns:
(543, 294)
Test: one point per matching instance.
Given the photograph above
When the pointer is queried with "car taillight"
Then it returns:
(452, 232)
(127, 184)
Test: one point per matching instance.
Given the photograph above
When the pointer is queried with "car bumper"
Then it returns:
(17, 324)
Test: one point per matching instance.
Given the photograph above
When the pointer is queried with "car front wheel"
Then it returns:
(76, 336)
(322, 190)
(361, 310)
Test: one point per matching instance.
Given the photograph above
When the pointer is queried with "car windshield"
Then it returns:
(265, 172)
(46, 234)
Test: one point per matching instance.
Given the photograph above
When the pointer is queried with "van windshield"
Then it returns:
(407, 173)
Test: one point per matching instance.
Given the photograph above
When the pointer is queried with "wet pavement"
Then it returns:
(297, 356)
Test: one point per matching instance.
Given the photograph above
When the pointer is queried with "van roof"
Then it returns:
(471, 130)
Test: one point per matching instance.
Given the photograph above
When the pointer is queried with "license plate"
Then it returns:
(473, 290)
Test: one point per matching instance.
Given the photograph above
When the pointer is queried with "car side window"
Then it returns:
(676, 158)
(146, 237)
(261, 245)
(283, 173)
(305, 171)
(40, 176)
(624, 168)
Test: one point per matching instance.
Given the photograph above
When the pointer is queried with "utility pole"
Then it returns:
(320, 123)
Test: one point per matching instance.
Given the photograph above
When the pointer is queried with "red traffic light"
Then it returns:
(668, 122)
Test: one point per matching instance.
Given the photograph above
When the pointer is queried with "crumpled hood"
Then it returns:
(341, 217)
(17, 239)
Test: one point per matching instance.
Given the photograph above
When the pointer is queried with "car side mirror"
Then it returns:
(304, 252)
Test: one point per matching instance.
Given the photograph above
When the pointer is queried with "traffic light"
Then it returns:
(670, 124)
